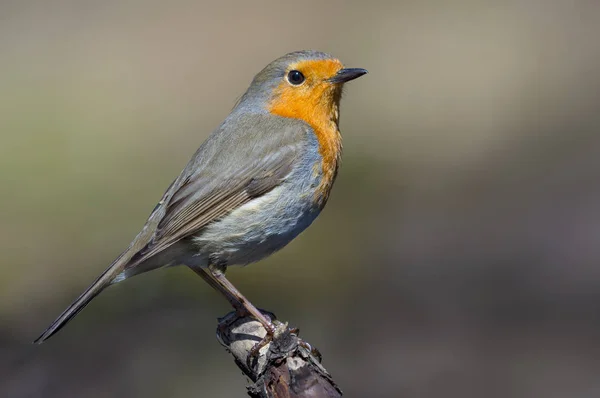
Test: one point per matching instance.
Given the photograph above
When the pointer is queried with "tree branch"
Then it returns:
(287, 367)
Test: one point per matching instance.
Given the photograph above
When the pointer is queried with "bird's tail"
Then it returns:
(92, 291)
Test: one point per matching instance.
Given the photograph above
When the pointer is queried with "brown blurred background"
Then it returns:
(459, 254)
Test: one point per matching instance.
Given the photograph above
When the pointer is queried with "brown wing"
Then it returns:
(187, 216)
(202, 197)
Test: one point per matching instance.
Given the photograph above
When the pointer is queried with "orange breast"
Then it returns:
(330, 148)
(318, 108)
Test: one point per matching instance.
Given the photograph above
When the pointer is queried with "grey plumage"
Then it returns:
(248, 190)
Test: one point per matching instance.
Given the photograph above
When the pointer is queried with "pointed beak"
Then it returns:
(347, 74)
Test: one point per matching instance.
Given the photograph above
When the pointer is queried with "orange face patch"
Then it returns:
(315, 101)
(312, 99)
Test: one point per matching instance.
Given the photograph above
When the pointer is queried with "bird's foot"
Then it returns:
(254, 354)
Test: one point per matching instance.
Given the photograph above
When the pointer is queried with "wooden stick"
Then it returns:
(287, 367)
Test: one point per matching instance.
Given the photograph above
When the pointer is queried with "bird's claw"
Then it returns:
(255, 351)
(313, 350)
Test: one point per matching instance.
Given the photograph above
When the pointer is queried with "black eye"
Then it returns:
(295, 77)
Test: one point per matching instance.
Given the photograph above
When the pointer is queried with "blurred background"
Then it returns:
(459, 253)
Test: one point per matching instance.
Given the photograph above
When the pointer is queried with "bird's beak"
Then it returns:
(346, 74)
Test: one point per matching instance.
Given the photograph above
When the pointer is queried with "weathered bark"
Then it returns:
(287, 367)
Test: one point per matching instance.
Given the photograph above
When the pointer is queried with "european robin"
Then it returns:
(258, 181)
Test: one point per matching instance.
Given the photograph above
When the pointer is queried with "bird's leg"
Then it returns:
(206, 275)
(215, 277)
(237, 299)
(239, 310)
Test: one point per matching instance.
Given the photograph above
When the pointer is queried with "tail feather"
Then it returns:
(92, 291)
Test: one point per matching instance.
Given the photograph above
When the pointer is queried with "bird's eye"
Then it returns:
(295, 77)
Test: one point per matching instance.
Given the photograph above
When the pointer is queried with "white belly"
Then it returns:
(258, 228)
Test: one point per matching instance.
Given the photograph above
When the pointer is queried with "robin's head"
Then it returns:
(305, 85)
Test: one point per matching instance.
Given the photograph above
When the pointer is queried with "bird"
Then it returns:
(259, 180)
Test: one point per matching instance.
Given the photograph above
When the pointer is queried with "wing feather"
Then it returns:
(201, 197)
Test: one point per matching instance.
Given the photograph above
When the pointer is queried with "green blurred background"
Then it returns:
(458, 256)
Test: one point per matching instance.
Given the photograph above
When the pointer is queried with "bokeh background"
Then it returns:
(459, 255)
